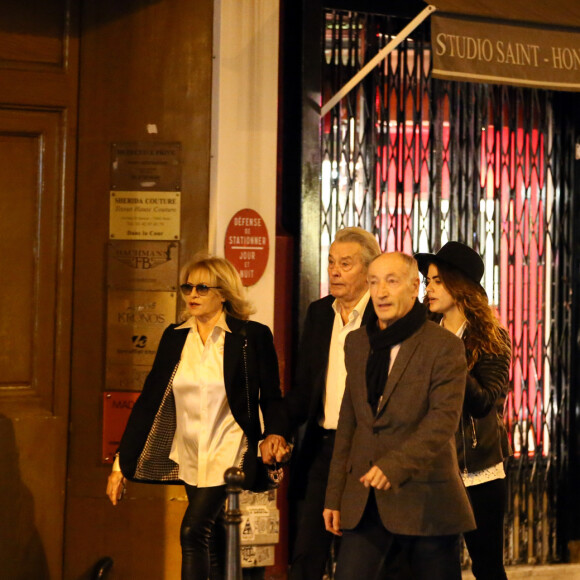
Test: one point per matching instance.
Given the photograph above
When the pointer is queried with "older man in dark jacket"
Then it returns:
(315, 398)
(394, 487)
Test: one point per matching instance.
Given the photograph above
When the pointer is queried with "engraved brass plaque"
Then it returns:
(146, 166)
(144, 215)
(142, 265)
(135, 322)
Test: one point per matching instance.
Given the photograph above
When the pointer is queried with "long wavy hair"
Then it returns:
(485, 333)
(222, 273)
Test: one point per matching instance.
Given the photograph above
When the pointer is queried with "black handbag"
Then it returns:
(267, 476)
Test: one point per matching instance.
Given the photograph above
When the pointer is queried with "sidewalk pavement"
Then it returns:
(551, 572)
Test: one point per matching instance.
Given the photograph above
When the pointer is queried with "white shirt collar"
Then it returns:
(460, 330)
(358, 310)
(220, 324)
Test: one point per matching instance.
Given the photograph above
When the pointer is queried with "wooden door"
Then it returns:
(145, 76)
(38, 80)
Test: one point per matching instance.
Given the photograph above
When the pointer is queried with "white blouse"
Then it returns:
(207, 438)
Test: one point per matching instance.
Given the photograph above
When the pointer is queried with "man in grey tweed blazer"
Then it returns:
(394, 490)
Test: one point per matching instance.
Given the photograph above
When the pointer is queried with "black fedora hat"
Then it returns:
(455, 255)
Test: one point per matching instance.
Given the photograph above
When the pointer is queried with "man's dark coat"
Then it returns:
(303, 404)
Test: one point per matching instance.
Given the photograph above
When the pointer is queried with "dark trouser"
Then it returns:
(200, 537)
(312, 543)
(485, 544)
(371, 552)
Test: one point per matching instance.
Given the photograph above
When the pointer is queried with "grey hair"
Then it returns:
(369, 246)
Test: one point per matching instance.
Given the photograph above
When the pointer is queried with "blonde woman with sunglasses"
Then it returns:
(199, 411)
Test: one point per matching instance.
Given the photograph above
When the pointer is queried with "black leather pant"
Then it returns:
(202, 534)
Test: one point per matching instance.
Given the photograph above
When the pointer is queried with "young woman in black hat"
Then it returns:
(453, 293)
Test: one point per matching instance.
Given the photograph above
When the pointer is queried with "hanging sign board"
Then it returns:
(247, 246)
(488, 51)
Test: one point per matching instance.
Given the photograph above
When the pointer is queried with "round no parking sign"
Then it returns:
(247, 245)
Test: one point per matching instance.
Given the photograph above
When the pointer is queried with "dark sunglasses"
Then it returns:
(201, 289)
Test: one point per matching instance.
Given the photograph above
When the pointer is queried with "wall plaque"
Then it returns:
(146, 166)
(122, 376)
(117, 407)
(144, 215)
(142, 265)
(135, 322)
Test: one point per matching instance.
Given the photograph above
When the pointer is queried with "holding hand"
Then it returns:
(274, 449)
(374, 477)
(332, 521)
(116, 486)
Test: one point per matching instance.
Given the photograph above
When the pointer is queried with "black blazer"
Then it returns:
(303, 404)
(149, 432)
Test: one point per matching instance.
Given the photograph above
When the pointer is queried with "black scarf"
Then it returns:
(381, 342)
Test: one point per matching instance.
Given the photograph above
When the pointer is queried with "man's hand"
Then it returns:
(116, 487)
(274, 449)
(374, 477)
(332, 521)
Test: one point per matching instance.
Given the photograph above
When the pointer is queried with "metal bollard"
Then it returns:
(234, 478)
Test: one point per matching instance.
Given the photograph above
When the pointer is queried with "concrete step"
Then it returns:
(551, 572)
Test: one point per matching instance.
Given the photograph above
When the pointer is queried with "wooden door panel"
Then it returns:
(38, 110)
(33, 406)
(34, 35)
(30, 200)
(16, 241)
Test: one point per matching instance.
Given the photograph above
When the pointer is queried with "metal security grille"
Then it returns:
(419, 162)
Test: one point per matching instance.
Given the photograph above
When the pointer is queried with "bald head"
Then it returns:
(394, 286)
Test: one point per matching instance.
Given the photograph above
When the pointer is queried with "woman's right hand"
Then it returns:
(116, 486)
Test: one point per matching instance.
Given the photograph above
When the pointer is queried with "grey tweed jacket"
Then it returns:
(411, 438)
